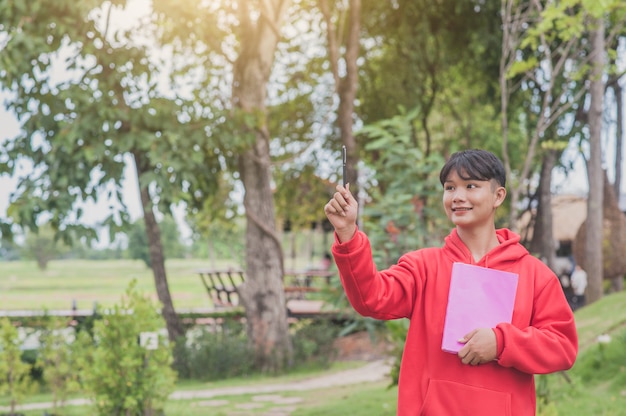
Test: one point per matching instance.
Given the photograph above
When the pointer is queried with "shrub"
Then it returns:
(29, 356)
(15, 381)
(124, 374)
(58, 361)
(216, 352)
(313, 342)
(398, 330)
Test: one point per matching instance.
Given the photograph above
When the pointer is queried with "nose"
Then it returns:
(459, 194)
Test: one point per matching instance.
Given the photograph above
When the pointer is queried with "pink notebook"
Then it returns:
(479, 298)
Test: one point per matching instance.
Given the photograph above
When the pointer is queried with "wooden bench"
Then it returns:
(221, 285)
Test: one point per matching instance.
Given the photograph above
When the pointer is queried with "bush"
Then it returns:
(58, 361)
(223, 351)
(398, 330)
(36, 372)
(15, 381)
(214, 353)
(126, 366)
(313, 342)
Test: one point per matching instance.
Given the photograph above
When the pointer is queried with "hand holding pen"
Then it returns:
(342, 209)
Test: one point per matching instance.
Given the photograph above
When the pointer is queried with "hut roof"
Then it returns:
(568, 214)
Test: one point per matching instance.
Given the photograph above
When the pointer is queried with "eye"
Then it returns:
(448, 188)
(471, 186)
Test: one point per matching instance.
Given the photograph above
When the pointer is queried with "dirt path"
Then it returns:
(373, 371)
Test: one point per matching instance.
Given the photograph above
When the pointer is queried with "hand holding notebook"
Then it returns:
(479, 297)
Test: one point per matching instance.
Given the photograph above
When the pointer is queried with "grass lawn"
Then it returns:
(24, 286)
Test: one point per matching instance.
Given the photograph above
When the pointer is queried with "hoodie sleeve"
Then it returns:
(549, 343)
(384, 295)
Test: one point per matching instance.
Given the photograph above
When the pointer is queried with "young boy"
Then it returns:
(492, 374)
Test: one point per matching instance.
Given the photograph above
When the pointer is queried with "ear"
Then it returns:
(500, 195)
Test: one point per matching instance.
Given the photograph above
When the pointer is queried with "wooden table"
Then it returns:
(305, 277)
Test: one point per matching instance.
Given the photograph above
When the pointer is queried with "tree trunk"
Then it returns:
(593, 243)
(262, 295)
(174, 327)
(346, 86)
(619, 137)
(543, 238)
(347, 93)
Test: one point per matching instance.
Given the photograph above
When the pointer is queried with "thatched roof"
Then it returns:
(568, 213)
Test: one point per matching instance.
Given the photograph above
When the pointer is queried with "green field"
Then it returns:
(24, 286)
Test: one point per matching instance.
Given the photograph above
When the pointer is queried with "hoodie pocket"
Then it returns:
(450, 398)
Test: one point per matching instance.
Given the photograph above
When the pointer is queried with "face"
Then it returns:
(471, 203)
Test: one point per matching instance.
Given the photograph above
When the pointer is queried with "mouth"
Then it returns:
(461, 209)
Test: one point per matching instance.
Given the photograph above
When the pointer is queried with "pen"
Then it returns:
(345, 160)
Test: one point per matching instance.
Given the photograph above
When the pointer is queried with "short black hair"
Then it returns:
(476, 164)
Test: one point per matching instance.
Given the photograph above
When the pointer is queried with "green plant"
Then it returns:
(216, 352)
(603, 360)
(57, 358)
(15, 381)
(405, 210)
(398, 330)
(313, 342)
(126, 366)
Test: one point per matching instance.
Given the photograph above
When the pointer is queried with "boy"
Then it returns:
(492, 374)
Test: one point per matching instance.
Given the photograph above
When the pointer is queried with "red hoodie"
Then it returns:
(541, 338)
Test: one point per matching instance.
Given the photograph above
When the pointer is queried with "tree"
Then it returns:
(267, 318)
(540, 63)
(346, 17)
(593, 242)
(437, 57)
(547, 57)
(238, 41)
(543, 240)
(404, 214)
(138, 245)
(91, 100)
(613, 236)
(42, 246)
(614, 83)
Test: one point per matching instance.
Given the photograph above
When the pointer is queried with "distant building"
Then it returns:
(568, 214)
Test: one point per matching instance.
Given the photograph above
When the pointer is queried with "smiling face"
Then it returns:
(469, 202)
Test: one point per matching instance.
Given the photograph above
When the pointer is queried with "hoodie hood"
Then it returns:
(509, 251)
